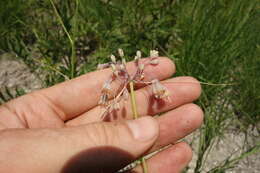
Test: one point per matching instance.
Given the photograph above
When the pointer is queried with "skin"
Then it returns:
(59, 129)
(86, 161)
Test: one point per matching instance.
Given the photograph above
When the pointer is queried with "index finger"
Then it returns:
(77, 96)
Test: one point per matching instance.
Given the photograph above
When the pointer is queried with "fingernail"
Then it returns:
(144, 129)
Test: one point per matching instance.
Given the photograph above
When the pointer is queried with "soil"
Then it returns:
(14, 73)
(232, 143)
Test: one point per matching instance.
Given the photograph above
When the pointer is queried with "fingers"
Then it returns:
(170, 160)
(2, 126)
(178, 123)
(80, 94)
(8, 119)
(95, 148)
(182, 90)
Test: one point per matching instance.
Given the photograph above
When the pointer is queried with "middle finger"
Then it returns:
(182, 90)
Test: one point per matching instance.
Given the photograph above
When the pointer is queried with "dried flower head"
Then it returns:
(121, 74)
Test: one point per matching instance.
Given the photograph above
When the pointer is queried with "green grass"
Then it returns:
(216, 41)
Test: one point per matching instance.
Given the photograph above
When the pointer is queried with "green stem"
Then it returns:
(73, 53)
(144, 165)
(135, 115)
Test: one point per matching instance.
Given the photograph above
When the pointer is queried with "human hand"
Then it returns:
(59, 129)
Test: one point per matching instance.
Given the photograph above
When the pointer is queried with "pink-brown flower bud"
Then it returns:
(106, 87)
(159, 90)
(125, 95)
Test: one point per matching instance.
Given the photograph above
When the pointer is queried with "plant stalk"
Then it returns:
(133, 100)
(135, 116)
(72, 43)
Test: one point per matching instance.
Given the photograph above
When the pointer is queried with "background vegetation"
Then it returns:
(216, 41)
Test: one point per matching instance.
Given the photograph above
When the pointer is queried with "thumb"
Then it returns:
(94, 148)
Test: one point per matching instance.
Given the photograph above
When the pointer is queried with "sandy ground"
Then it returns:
(232, 143)
(15, 73)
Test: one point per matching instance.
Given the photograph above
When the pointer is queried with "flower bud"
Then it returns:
(116, 106)
(159, 90)
(121, 52)
(113, 67)
(141, 67)
(114, 70)
(113, 58)
(139, 54)
(103, 101)
(122, 67)
(154, 53)
(106, 87)
(125, 95)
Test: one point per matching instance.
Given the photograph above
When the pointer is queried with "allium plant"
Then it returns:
(128, 81)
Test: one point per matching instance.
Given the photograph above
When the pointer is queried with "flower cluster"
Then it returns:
(120, 73)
